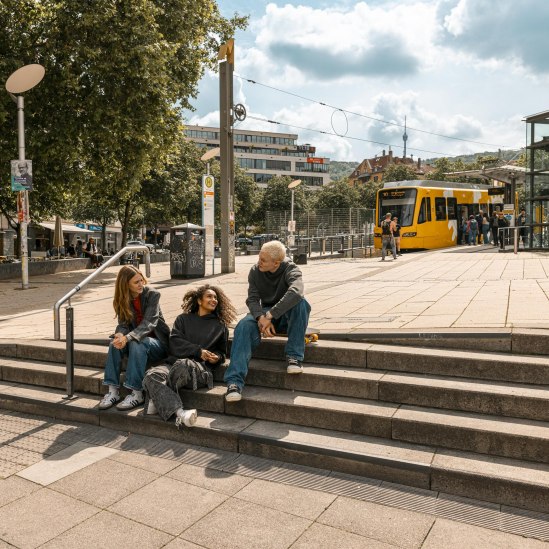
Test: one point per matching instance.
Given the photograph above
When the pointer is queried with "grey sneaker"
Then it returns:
(294, 366)
(110, 399)
(131, 401)
(188, 419)
(233, 393)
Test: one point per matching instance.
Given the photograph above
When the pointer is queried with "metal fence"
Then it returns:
(321, 223)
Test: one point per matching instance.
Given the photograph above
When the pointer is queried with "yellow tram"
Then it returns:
(429, 211)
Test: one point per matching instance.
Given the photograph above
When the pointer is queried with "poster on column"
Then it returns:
(208, 212)
(21, 175)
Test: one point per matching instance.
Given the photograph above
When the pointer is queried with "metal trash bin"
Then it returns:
(187, 251)
(300, 253)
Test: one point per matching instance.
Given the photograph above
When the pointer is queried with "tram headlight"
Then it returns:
(409, 234)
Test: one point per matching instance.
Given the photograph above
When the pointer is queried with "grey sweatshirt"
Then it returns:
(280, 290)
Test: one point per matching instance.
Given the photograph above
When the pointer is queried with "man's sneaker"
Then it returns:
(294, 366)
(110, 399)
(188, 419)
(131, 401)
(233, 393)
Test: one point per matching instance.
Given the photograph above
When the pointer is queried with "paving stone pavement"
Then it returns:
(166, 494)
(204, 498)
(467, 287)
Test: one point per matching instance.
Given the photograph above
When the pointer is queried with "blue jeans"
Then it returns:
(139, 353)
(472, 237)
(246, 339)
(486, 234)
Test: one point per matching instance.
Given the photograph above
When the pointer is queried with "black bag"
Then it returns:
(192, 375)
(386, 228)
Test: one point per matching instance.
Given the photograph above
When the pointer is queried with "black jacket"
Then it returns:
(192, 333)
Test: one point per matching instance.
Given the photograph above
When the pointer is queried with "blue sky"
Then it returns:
(467, 69)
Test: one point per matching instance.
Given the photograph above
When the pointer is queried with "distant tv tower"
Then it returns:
(404, 138)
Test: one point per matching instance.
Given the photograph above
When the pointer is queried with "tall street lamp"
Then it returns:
(291, 226)
(22, 80)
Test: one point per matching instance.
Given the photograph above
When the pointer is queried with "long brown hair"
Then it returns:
(225, 310)
(122, 297)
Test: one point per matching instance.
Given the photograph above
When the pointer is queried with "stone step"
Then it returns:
(487, 397)
(487, 366)
(495, 479)
(362, 356)
(493, 398)
(481, 433)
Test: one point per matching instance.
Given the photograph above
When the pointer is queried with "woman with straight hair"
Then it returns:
(141, 335)
(198, 343)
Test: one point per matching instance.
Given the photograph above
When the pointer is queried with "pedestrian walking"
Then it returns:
(387, 238)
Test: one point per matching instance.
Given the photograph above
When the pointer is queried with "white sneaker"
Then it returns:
(151, 408)
(294, 366)
(188, 418)
(110, 399)
(131, 401)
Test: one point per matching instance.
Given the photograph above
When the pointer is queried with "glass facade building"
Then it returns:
(266, 154)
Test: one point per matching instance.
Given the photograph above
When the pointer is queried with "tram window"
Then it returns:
(424, 210)
(452, 208)
(399, 202)
(440, 209)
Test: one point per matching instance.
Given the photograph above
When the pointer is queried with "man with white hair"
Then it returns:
(276, 303)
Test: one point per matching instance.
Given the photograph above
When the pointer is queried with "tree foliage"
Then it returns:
(108, 112)
(277, 196)
(399, 172)
(338, 194)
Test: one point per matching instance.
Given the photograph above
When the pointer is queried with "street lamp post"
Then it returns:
(291, 229)
(20, 81)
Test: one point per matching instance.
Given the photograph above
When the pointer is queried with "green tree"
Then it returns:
(400, 172)
(338, 194)
(368, 194)
(278, 197)
(118, 75)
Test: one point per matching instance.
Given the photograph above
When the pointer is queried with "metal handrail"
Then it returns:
(78, 287)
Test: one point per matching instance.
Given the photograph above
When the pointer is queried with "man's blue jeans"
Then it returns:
(246, 339)
(139, 353)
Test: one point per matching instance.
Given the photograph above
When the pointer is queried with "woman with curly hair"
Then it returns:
(141, 334)
(198, 343)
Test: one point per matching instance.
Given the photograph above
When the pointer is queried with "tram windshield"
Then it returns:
(399, 202)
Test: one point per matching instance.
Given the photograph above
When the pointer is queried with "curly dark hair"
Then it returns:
(225, 310)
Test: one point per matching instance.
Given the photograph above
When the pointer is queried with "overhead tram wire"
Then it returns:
(369, 117)
(344, 136)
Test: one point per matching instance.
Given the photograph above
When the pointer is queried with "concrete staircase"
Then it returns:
(469, 423)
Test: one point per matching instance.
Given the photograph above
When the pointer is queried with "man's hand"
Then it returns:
(119, 341)
(208, 356)
(266, 327)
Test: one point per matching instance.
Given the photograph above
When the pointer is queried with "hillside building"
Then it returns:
(266, 154)
(371, 170)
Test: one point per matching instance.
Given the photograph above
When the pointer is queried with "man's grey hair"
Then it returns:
(275, 249)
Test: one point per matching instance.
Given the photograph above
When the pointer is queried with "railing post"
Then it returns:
(516, 240)
(70, 351)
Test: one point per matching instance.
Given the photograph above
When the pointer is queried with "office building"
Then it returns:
(266, 154)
